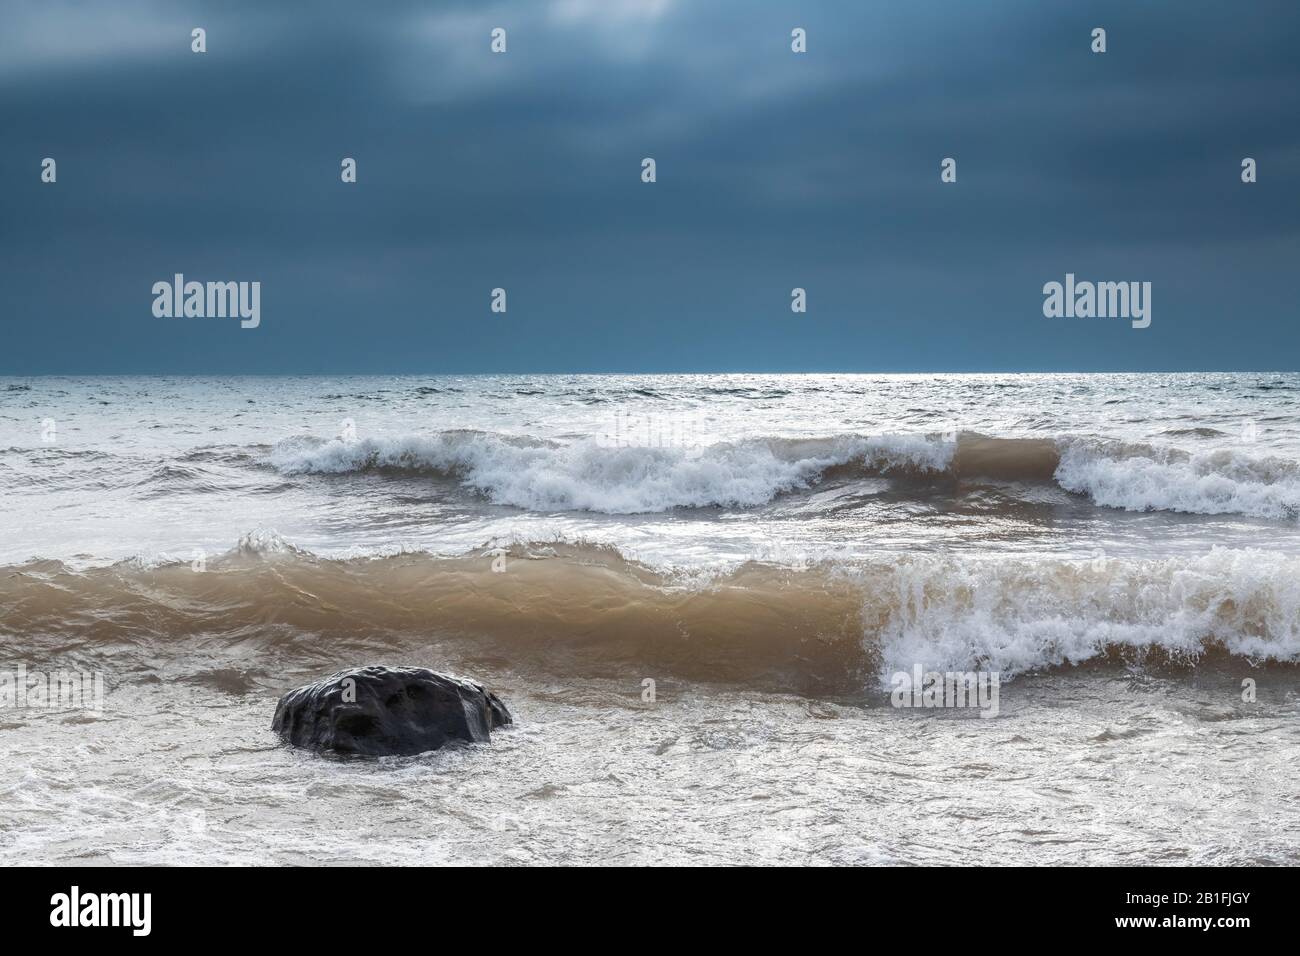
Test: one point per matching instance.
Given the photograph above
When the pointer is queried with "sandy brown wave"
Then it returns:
(1006, 459)
(587, 602)
(820, 627)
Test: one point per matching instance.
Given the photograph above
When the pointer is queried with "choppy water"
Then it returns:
(769, 550)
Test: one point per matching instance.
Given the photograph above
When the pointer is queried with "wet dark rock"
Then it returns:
(377, 711)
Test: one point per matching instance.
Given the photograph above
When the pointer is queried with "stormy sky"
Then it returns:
(522, 170)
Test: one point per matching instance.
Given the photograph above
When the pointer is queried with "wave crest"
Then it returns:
(590, 476)
(1143, 478)
(839, 626)
(587, 475)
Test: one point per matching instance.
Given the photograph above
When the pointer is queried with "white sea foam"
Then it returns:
(586, 476)
(1143, 478)
(265, 542)
(1021, 614)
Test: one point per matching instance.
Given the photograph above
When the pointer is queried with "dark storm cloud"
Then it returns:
(522, 171)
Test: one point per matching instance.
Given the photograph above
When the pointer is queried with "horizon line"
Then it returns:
(480, 374)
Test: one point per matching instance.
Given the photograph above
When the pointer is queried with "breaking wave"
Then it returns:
(590, 476)
(1144, 478)
(841, 626)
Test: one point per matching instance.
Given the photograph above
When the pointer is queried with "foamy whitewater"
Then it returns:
(768, 550)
